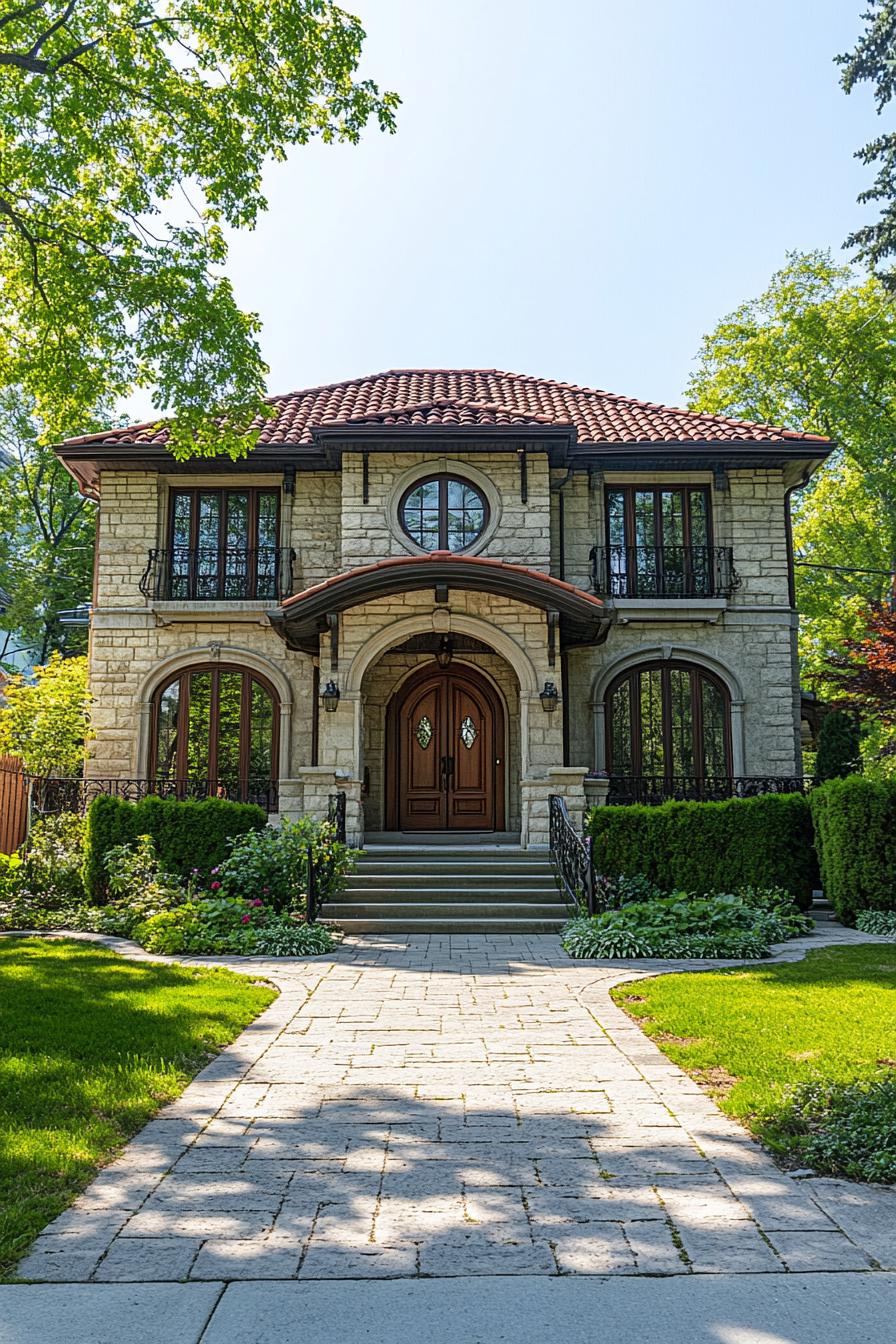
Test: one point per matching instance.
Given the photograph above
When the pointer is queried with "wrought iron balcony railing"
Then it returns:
(71, 793)
(663, 571)
(653, 789)
(207, 574)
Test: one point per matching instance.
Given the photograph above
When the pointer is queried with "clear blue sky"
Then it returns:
(576, 189)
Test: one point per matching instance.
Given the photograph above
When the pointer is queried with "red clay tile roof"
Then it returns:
(480, 563)
(470, 397)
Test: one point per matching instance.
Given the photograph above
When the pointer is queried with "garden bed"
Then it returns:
(91, 1045)
(803, 1054)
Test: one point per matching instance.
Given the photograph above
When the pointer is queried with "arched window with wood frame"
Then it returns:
(215, 734)
(670, 723)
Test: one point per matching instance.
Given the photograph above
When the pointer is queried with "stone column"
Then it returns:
(569, 783)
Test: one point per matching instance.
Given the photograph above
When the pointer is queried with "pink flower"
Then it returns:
(246, 919)
(257, 902)
(266, 890)
(215, 886)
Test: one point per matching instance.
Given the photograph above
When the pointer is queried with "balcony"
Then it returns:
(655, 789)
(663, 571)
(185, 574)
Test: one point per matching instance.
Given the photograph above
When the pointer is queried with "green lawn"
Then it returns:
(91, 1045)
(750, 1033)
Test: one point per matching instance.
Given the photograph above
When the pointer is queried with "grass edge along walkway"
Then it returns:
(92, 1044)
(748, 1034)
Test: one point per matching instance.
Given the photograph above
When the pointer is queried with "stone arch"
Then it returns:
(662, 653)
(398, 631)
(205, 653)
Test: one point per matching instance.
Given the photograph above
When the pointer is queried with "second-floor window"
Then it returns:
(223, 544)
(659, 541)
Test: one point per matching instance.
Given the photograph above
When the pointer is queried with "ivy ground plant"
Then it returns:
(640, 921)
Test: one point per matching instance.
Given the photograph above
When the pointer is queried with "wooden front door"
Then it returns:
(447, 758)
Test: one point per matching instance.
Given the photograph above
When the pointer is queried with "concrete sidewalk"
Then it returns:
(716, 1309)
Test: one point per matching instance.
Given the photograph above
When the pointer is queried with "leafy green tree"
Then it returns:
(46, 539)
(874, 61)
(839, 751)
(45, 718)
(131, 133)
(815, 352)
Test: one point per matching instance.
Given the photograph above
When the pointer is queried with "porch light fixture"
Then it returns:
(445, 651)
(549, 697)
(330, 697)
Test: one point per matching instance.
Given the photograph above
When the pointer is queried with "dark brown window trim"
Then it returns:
(632, 675)
(249, 676)
(254, 494)
(629, 490)
(443, 478)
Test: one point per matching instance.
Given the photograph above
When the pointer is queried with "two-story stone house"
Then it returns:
(448, 593)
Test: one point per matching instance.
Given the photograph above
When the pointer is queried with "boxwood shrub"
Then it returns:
(711, 847)
(187, 835)
(855, 825)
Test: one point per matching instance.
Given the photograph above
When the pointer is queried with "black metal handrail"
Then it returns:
(655, 789)
(336, 814)
(213, 574)
(72, 793)
(663, 571)
(571, 858)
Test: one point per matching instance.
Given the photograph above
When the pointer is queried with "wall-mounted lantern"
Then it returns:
(445, 651)
(330, 696)
(549, 697)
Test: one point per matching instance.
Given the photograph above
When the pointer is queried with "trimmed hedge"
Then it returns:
(187, 835)
(711, 847)
(855, 834)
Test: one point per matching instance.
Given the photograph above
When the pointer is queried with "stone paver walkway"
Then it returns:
(448, 1107)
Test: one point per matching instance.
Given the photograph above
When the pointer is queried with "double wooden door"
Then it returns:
(446, 766)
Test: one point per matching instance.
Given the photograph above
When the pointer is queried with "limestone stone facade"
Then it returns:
(340, 513)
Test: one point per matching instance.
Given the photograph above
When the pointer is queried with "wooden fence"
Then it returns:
(13, 804)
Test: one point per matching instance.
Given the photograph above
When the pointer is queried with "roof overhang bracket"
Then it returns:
(720, 478)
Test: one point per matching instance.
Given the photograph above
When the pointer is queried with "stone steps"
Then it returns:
(449, 889)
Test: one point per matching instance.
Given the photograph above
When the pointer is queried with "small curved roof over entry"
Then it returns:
(582, 618)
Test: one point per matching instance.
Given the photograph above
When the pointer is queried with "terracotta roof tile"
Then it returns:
(470, 397)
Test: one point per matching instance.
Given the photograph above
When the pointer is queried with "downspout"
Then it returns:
(557, 488)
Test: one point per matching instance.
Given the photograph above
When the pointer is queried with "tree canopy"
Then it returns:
(815, 352)
(131, 133)
(874, 61)
(46, 540)
(45, 719)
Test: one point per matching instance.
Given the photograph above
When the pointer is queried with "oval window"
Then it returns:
(443, 513)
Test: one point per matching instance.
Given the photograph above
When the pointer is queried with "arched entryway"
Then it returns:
(445, 736)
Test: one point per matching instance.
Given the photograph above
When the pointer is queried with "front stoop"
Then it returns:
(450, 889)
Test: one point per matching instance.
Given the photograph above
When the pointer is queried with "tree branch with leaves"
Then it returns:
(131, 134)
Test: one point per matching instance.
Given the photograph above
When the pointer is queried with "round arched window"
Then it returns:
(215, 734)
(669, 722)
(443, 513)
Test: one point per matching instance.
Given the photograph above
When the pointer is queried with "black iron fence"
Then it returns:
(66, 793)
(187, 573)
(653, 789)
(336, 814)
(663, 571)
(317, 865)
(571, 858)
